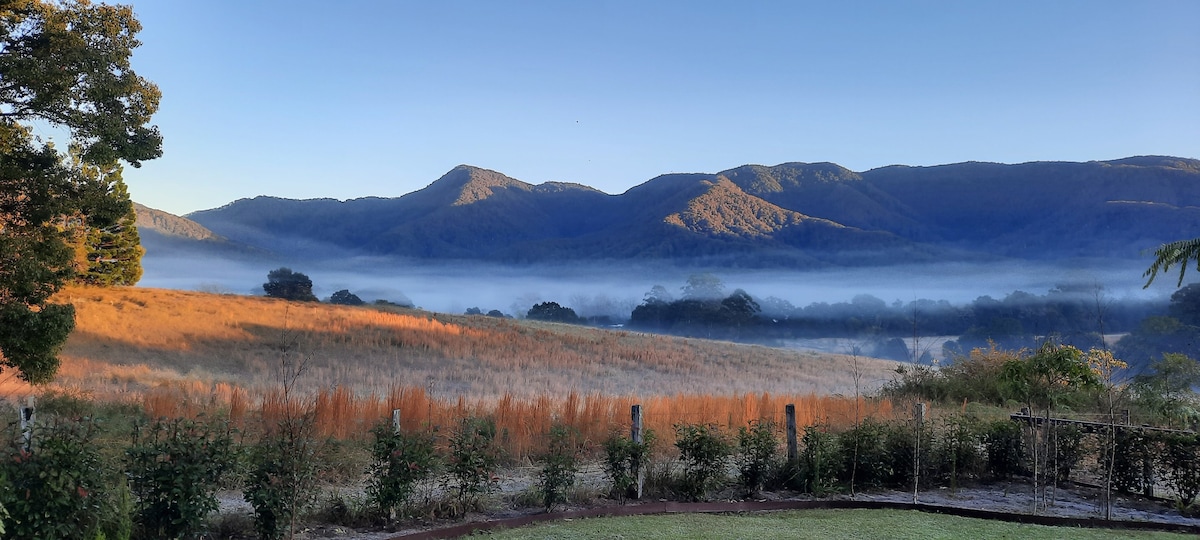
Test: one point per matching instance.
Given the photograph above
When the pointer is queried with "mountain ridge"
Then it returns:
(809, 214)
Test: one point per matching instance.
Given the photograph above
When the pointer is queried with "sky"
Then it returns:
(304, 99)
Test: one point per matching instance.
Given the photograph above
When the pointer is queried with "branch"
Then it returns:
(1168, 255)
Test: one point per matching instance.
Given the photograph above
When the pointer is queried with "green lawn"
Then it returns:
(822, 524)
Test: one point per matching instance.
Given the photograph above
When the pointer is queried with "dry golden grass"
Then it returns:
(129, 340)
(181, 353)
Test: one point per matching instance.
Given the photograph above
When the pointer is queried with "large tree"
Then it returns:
(112, 254)
(284, 283)
(62, 64)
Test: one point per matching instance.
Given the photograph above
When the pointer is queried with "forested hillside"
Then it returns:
(794, 214)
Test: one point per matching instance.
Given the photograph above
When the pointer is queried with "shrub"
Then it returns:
(62, 488)
(174, 468)
(400, 461)
(705, 452)
(1133, 458)
(820, 461)
(1180, 464)
(865, 457)
(758, 454)
(623, 458)
(1004, 447)
(559, 465)
(1068, 450)
(281, 477)
(956, 450)
(474, 458)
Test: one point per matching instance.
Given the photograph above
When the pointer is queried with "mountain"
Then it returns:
(793, 214)
(162, 232)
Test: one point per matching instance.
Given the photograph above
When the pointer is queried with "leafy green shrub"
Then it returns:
(623, 458)
(758, 454)
(820, 461)
(1180, 464)
(62, 488)
(705, 452)
(902, 453)
(474, 458)
(956, 449)
(866, 461)
(1133, 458)
(174, 468)
(282, 475)
(400, 462)
(1004, 447)
(1067, 446)
(559, 465)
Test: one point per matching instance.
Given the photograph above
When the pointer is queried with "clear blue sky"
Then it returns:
(307, 99)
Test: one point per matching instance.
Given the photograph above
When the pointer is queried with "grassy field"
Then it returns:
(179, 353)
(132, 339)
(814, 524)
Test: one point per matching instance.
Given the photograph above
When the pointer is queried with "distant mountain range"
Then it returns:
(793, 215)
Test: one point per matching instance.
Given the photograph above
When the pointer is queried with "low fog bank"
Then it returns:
(614, 290)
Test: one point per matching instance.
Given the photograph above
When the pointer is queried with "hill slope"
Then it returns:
(131, 339)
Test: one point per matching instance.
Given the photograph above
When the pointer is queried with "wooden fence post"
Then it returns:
(793, 446)
(635, 434)
(396, 420)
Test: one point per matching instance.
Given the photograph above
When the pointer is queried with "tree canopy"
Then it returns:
(63, 64)
(346, 298)
(284, 283)
(552, 311)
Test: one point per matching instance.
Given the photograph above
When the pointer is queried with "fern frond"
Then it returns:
(1168, 255)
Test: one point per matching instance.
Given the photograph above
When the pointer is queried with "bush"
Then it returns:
(705, 452)
(1004, 447)
(174, 468)
(474, 458)
(758, 454)
(1180, 463)
(62, 488)
(956, 450)
(282, 477)
(559, 465)
(1068, 450)
(820, 461)
(865, 458)
(623, 458)
(1133, 458)
(399, 462)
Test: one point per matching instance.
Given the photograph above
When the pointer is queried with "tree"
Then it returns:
(112, 256)
(1174, 253)
(551, 311)
(288, 285)
(63, 64)
(703, 287)
(1167, 389)
(346, 298)
(1043, 380)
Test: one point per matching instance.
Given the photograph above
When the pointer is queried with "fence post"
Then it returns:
(635, 434)
(793, 446)
(396, 420)
(27, 419)
(1125, 416)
